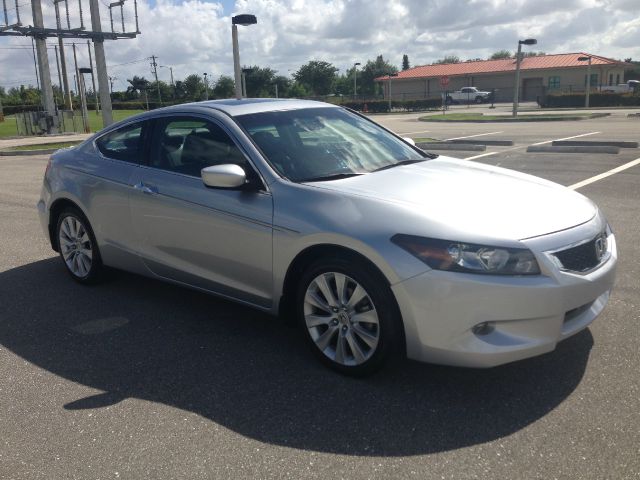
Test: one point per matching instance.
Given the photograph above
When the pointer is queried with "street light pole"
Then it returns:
(244, 19)
(389, 88)
(206, 87)
(588, 82)
(355, 84)
(516, 89)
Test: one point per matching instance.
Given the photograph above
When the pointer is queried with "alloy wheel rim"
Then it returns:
(341, 319)
(75, 246)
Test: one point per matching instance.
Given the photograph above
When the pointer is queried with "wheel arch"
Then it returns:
(54, 212)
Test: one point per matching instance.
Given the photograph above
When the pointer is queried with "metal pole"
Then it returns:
(93, 80)
(173, 85)
(43, 63)
(355, 84)
(236, 61)
(276, 90)
(516, 90)
(154, 64)
(206, 87)
(244, 85)
(80, 92)
(586, 98)
(55, 47)
(389, 93)
(35, 63)
(63, 62)
(101, 64)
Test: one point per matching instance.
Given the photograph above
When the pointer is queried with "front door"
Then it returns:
(215, 239)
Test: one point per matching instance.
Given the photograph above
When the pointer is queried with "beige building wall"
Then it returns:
(561, 79)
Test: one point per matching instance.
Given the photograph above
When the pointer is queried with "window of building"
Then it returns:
(594, 80)
(617, 79)
(554, 82)
(124, 144)
(611, 79)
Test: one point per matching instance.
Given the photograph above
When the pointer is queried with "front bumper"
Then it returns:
(528, 315)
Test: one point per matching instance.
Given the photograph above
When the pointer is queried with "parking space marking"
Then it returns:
(411, 133)
(606, 174)
(472, 136)
(566, 138)
(481, 155)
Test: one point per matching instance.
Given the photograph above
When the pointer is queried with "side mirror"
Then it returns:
(223, 176)
(409, 141)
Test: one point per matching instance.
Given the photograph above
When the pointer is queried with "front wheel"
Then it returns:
(78, 247)
(349, 315)
(479, 100)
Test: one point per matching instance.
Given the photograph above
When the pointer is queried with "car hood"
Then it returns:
(474, 198)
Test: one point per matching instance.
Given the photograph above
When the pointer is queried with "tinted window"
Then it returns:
(125, 143)
(187, 145)
(311, 143)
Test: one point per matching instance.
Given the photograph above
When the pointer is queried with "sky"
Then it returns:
(194, 36)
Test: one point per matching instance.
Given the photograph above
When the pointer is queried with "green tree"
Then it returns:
(259, 81)
(137, 85)
(193, 87)
(448, 59)
(297, 90)
(405, 62)
(317, 76)
(284, 84)
(500, 55)
(225, 87)
(372, 70)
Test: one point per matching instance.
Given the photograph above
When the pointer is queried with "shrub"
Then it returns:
(595, 100)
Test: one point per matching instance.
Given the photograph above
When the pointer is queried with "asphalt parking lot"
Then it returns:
(139, 379)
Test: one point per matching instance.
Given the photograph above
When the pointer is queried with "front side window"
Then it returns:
(124, 144)
(188, 144)
(317, 143)
(554, 82)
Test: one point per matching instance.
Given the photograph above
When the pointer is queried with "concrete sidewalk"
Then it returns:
(18, 142)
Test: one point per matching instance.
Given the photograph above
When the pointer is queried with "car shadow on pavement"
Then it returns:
(137, 338)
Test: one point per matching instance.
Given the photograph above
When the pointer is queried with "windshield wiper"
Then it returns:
(399, 164)
(335, 176)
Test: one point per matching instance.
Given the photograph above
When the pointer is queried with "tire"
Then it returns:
(78, 247)
(358, 333)
(479, 100)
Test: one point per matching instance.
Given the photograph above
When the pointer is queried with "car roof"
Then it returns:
(235, 107)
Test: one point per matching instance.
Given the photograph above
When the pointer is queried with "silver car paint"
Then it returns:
(176, 233)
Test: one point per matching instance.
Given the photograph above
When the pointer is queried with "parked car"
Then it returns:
(377, 248)
(467, 95)
(629, 87)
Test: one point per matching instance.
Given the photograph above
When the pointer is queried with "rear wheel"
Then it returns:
(479, 100)
(349, 316)
(78, 247)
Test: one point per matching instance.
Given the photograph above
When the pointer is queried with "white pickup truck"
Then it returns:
(629, 87)
(467, 95)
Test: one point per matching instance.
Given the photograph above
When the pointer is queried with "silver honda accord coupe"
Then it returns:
(378, 249)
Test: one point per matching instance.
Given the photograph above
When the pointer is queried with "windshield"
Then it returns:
(324, 143)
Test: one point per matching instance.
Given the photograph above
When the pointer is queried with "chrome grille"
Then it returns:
(585, 256)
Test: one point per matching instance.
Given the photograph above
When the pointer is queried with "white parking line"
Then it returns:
(480, 156)
(410, 133)
(606, 174)
(472, 136)
(566, 138)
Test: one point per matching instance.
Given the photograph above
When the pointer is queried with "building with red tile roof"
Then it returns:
(558, 72)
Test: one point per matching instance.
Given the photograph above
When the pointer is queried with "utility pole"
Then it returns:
(80, 92)
(63, 62)
(35, 63)
(45, 74)
(55, 47)
(154, 64)
(93, 80)
(101, 64)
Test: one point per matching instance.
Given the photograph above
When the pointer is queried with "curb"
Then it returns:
(451, 146)
(578, 149)
(515, 120)
(498, 143)
(25, 153)
(578, 143)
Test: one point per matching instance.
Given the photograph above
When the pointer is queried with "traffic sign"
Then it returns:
(444, 81)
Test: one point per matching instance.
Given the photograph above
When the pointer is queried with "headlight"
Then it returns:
(469, 257)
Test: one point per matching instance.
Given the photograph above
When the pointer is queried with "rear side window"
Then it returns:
(124, 144)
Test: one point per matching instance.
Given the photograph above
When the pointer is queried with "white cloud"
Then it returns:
(194, 36)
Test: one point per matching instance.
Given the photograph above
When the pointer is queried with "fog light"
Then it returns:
(484, 328)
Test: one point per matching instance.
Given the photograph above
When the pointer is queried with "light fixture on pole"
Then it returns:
(355, 75)
(587, 58)
(516, 90)
(389, 88)
(244, 20)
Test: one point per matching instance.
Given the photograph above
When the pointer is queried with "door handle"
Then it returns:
(148, 189)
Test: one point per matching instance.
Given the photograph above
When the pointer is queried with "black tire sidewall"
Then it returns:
(377, 287)
(95, 272)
